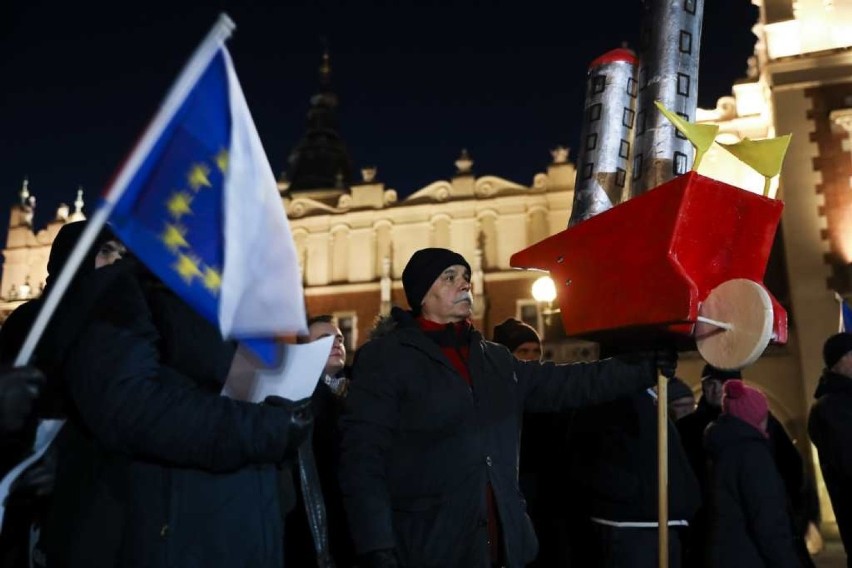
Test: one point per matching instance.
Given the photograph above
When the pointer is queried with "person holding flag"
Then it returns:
(156, 467)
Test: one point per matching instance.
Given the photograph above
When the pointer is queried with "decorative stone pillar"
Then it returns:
(477, 280)
(385, 287)
(843, 118)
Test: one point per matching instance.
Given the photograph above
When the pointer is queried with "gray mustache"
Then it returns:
(465, 297)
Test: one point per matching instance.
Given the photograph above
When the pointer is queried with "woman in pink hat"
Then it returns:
(750, 525)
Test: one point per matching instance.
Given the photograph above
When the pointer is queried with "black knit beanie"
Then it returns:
(711, 372)
(835, 348)
(678, 389)
(512, 333)
(422, 270)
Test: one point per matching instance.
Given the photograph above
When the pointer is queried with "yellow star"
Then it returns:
(187, 268)
(197, 177)
(212, 280)
(174, 237)
(222, 160)
(178, 204)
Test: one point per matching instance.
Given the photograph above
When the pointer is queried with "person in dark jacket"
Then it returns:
(544, 457)
(156, 468)
(432, 423)
(750, 526)
(830, 429)
(317, 533)
(105, 250)
(31, 495)
(618, 472)
(788, 462)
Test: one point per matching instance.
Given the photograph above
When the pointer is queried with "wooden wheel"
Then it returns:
(734, 324)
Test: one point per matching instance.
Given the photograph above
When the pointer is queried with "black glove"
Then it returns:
(384, 558)
(666, 361)
(39, 478)
(301, 418)
(325, 560)
(19, 387)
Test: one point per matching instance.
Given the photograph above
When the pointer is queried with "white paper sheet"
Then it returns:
(46, 432)
(294, 379)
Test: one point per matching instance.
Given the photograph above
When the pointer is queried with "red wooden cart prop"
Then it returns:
(685, 260)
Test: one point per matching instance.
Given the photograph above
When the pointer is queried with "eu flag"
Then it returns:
(845, 317)
(197, 202)
(170, 214)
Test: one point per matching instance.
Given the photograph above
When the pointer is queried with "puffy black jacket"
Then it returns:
(420, 446)
(159, 469)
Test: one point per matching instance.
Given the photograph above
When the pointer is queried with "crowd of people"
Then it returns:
(436, 448)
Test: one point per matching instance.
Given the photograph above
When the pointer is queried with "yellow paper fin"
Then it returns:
(763, 156)
(701, 136)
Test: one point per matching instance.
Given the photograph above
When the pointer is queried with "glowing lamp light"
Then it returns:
(544, 290)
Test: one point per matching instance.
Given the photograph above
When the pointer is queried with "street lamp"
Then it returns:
(544, 292)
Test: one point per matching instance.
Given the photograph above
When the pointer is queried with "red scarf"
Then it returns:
(453, 339)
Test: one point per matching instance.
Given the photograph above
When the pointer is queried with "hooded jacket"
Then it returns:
(64, 325)
(24, 506)
(420, 446)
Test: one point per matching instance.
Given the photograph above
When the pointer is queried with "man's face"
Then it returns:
(528, 351)
(337, 357)
(712, 389)
(680, 407)
(109, 252)
(844, 365)
(449, 299)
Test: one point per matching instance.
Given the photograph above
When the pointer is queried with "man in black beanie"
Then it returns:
(519, 338)
(430, 430)
(830, 429)
(691, 427)
(681, 399)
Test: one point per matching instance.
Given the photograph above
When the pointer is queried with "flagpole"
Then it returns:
(193, 69)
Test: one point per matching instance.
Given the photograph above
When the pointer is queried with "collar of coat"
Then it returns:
(833, 383)
(454, 335)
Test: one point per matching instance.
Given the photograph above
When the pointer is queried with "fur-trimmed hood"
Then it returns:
(398, 318)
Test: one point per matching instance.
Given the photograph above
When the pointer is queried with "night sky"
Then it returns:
(80, 80)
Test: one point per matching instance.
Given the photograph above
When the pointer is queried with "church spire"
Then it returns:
(24, 194)
(320, 159)
(78, 215)
(325, 68)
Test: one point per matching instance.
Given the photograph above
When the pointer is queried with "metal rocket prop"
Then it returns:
(682, 261)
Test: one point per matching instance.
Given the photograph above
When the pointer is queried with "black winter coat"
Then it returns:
(750, 525)
(618, 467)
(420, 446)
(788, 463)
(160, 470)
(830, 429)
